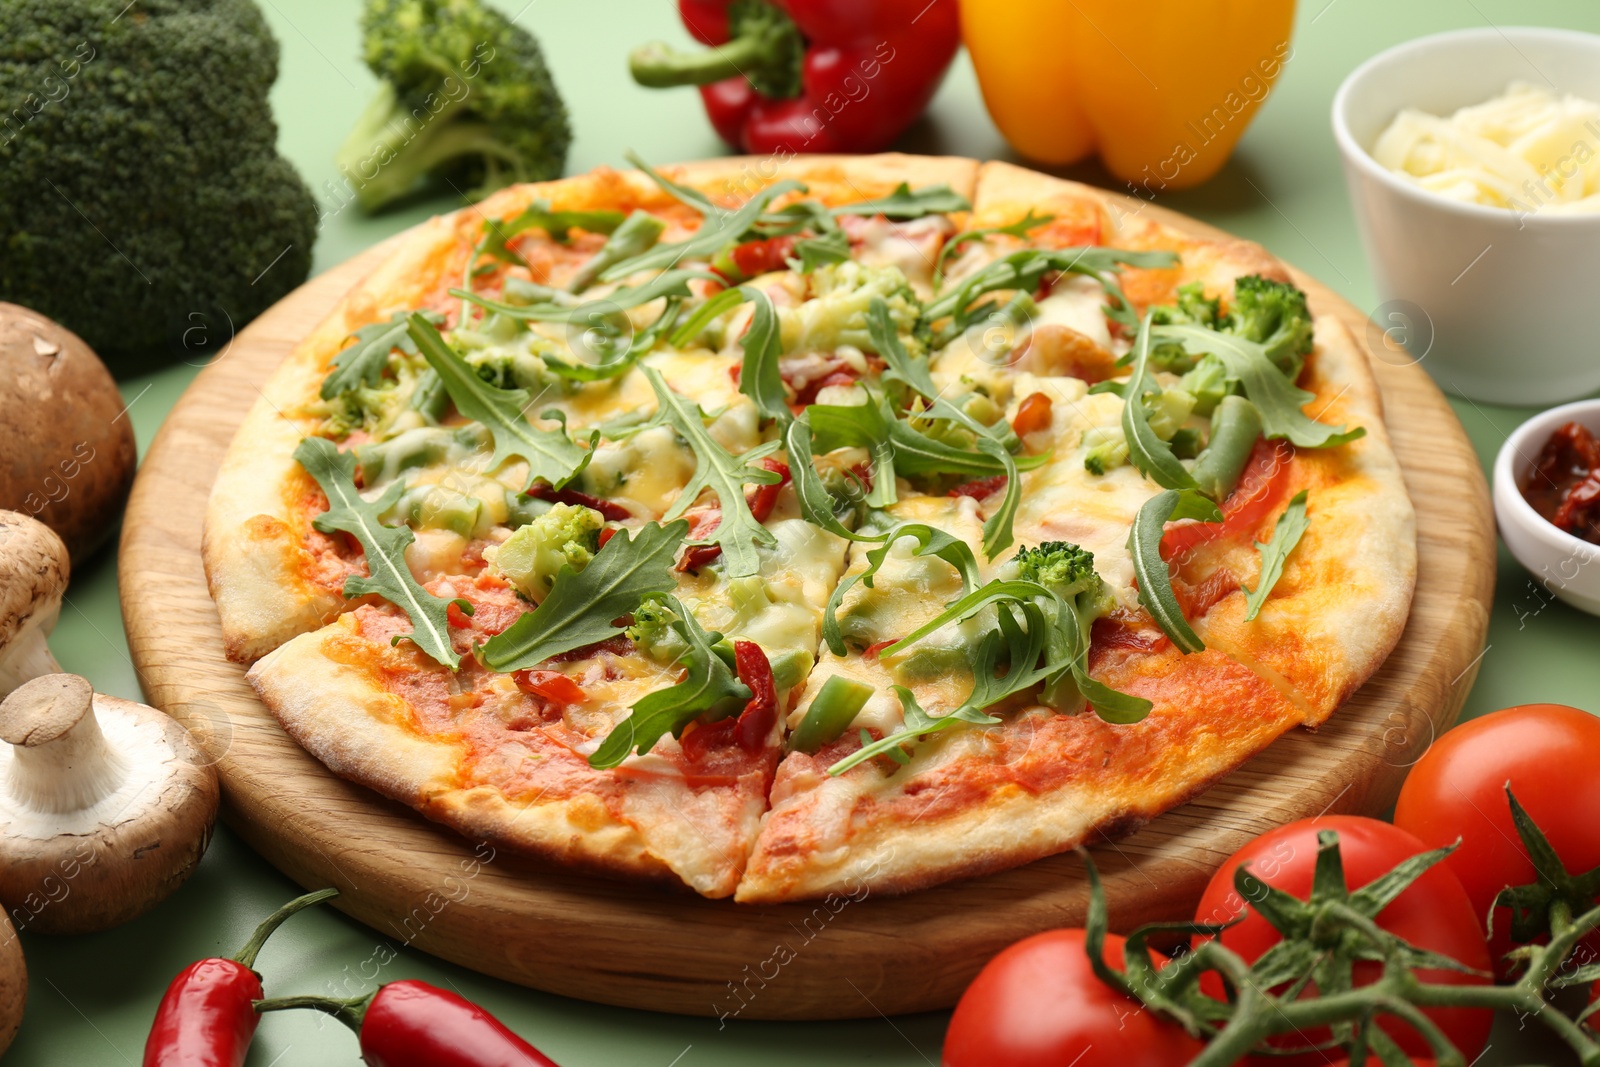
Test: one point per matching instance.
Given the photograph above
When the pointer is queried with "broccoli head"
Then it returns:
(1061, 567)
(142, 200)
(654, 630)
(1068, 572)
(1274, 315)
(836, 314)
(466, 98)
(565, 536)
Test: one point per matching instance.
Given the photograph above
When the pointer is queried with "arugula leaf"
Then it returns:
(594, 312)
(759, 379)
(718, 229)
(1278, 398)
(931, 541)
(908, 203)
(1019, 228)
(499, 232)
(916, 725)
(550, 454)
(707, 684)
(388, 576)
(606, 369)
(859, 426)
(816, 503)
(994, 443)
(724, 473)
(692, 197)
(812, 252)
(1151, 571)
(638, 233)
(1149, 454)
(696, 323)
(1291, 526)
(363, 363)
(582, 605)
(1026, 268)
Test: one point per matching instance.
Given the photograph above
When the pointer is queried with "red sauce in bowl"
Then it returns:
(1564, 484)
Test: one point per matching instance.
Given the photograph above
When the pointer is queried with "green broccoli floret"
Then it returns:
(1273, 314)
(466, 98)
(1193, 308)
(565, 536)
(1067, 571)
(1061, 567)
(143, 203)
(1208, 383)
(653, 631)
(1105, 449)
(837, 312)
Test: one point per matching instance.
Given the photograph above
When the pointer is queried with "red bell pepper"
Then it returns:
(791, 76)
(414, 1024)
(206, 1018)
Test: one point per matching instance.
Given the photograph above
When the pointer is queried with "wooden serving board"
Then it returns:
(618, 943)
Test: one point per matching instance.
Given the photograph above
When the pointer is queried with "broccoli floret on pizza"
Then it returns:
(566, 536)
(1275, 316)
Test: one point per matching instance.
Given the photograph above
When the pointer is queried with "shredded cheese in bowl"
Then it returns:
(1526, 150)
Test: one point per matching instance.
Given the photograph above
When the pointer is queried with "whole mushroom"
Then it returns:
(67, 452)
(106, 806)
(13, 983)
(34, 568)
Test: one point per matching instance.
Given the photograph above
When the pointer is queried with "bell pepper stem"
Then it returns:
(252, 948)
(350, 1012)
(658, 65)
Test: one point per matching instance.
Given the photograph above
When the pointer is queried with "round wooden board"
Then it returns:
(625, 944)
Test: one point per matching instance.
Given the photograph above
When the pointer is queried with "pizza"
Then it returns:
(778, 531)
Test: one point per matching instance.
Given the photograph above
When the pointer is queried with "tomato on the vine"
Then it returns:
(1039, 1004)
(1457, 789)
(1433, 913)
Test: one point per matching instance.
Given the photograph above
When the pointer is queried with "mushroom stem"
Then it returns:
(28, 657)
(61, 762)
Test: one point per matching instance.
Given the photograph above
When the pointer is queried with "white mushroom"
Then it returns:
(13, 983)
(33, 576)
(106, 806)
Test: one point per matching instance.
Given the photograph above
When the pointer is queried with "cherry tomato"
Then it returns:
(1433, 913)
(1457, 789)
(1039, 1004)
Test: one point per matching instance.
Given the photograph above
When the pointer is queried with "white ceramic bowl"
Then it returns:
(1560, 564)
(1513, 298)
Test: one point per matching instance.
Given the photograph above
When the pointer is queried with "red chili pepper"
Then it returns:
(553, 686)
(762, 499)
(809, 75)
(980, 487)
(872, 650)
(614, 512)
(753, 725)
(206, 1018)
(414, 1024)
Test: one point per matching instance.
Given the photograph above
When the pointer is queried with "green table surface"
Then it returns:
(92, 998)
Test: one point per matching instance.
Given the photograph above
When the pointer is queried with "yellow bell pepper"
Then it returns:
(1162, 90)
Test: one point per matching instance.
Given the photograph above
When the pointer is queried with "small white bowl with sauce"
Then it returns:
(1560, 564)
(1497, 304)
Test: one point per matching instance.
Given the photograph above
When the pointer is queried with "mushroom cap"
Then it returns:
(103, 864)
(67, 452)
(13, 983)
(34, 568)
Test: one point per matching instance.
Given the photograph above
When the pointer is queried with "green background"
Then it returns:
(92, 998)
